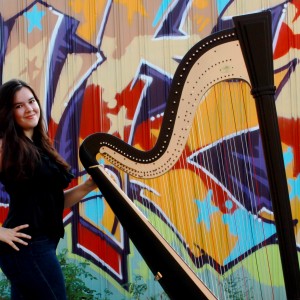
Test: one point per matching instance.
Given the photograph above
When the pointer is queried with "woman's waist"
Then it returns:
(37, 244)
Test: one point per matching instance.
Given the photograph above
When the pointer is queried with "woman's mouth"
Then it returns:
(30, 116)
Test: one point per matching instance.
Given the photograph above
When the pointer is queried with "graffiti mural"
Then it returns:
(107, 66)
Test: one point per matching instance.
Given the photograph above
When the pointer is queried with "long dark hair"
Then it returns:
(19, 155)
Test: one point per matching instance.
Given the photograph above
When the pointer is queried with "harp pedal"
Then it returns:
(158, 276)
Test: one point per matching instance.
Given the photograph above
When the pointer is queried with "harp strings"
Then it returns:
(191, 204)
(200, 134)
(227, 117)
(240, 122)
(254, 208)
(211, 131)
(233, 117)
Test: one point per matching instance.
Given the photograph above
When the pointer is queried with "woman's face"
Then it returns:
(26, 111)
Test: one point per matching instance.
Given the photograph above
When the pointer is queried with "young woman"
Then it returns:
(35, 177)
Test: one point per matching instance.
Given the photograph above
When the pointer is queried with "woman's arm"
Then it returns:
(75, 194)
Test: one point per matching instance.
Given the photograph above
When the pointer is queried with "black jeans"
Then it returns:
(34, 272)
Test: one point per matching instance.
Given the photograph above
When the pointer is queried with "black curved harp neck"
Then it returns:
(244, 53)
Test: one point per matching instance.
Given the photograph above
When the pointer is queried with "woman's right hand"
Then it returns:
(11, 236)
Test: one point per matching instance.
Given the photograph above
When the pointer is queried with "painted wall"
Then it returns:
(107, 66)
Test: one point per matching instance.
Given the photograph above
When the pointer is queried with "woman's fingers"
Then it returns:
(22, 235)
(13, 245)
(17, 240)
(20, 227)
(18, 235)
(12, 236)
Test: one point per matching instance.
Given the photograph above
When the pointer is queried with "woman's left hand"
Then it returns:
(90, 183)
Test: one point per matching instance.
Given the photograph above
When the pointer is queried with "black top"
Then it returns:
(38, 200)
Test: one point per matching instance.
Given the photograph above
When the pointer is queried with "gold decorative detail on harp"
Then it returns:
(227, 55)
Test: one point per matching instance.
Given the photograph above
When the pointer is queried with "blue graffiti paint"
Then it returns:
(161, 11)
(288, 156)
(206, 209)
(34, 18)
(295, 190)
(221, 4)
(250, 230)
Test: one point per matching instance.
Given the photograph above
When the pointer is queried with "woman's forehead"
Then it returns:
(23, 95)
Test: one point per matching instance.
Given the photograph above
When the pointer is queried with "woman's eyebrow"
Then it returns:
(31, 98)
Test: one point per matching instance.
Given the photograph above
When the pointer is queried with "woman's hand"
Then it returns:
(11, 236)
(90, 183)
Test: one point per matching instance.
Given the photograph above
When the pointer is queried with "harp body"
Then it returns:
(241, 53)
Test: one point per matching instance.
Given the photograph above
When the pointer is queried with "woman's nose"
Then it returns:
(29, 108)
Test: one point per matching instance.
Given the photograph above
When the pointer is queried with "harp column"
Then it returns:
(259, 62)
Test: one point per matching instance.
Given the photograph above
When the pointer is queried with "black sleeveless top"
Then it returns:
(38, 200)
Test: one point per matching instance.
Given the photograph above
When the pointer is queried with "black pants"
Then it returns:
(34, 272)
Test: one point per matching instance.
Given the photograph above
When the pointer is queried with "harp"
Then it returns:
(242, 53)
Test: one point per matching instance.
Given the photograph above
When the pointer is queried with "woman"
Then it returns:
(35, 176)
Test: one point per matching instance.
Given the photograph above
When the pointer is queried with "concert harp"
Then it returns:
(242, 53)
